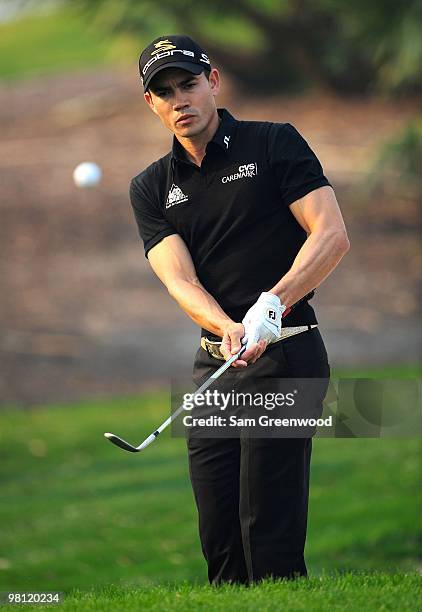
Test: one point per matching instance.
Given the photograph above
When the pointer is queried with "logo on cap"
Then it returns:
(163, 45)
(175, 50)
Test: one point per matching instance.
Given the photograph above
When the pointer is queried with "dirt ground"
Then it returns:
(81, 312)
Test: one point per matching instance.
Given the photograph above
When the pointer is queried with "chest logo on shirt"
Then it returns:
(175, 196)
(245, 171)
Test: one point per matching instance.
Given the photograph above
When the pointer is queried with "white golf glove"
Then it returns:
(263, 319)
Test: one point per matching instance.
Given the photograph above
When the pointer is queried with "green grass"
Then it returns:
(60, 41)
(65, 39)
(355, 592)
(77, 513)
(404, 370)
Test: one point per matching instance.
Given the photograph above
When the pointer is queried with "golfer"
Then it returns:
(240, 224)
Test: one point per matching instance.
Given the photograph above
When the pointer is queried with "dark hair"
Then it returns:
(206, 71)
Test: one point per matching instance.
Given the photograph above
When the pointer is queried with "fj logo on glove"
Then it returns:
(272, 315)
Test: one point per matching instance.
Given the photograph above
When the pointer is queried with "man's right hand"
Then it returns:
(232, 343)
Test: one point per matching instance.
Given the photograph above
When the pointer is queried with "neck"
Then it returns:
(195, 146)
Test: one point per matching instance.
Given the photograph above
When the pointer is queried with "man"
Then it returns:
(240, 224)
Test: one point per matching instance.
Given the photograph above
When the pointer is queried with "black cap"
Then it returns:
(173, 51)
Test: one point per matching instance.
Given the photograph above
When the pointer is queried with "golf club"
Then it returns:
(136, 449)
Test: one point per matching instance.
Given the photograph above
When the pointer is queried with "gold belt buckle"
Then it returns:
(212, 347)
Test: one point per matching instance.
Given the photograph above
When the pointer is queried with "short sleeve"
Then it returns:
(152, 225)
(297, 168)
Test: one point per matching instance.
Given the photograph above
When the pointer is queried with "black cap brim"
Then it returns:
(189, 66)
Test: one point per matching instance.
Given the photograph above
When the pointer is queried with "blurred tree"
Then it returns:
(288, 45)
(397, 167)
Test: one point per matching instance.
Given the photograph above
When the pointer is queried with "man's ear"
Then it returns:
(214, 81)
(148, 99)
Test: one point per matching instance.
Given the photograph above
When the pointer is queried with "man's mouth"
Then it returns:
(185, 119)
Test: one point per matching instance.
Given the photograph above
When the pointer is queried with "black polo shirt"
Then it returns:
(233, 212)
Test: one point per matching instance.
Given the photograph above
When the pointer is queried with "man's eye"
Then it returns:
(189, 85)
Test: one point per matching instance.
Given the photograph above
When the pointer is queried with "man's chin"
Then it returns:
(187, 131)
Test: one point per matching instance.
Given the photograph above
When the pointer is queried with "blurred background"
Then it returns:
(83, 320)
(82, 313)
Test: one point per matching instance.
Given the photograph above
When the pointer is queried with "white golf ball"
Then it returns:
(87, 174)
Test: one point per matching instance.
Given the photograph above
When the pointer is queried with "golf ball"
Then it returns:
(87, 174)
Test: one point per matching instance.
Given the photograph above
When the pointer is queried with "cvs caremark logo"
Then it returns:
(245, 171)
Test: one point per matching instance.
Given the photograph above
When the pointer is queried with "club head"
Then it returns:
(121, 443)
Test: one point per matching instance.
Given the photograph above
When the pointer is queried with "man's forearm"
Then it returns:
(200, 306)
(317, 258)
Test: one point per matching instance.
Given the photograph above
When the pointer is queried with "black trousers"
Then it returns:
(252, 493)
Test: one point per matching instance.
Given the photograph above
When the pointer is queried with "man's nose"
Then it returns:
(180, 100)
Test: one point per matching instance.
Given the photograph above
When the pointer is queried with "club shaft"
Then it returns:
(203, 387)
(126, 446)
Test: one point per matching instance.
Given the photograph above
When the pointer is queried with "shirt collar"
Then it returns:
(225, 129)
(221, 137)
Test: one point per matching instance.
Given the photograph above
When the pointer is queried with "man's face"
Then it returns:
(184, 102)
